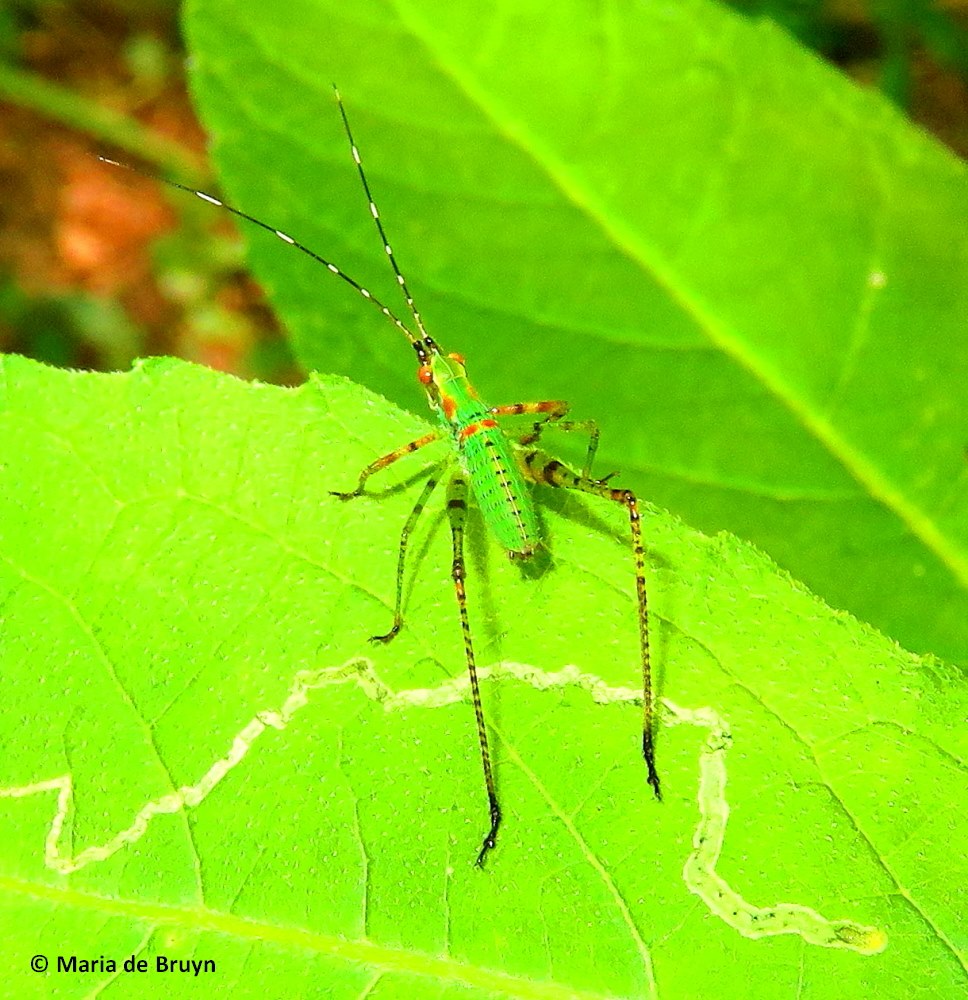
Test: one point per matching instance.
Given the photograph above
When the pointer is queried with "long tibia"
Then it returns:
(457, 513)
(541, 469)
(418, 508)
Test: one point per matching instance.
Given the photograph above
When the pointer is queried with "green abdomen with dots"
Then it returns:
(485, 454)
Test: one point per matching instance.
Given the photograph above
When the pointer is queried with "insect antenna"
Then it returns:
(287, 239)
(401, 281)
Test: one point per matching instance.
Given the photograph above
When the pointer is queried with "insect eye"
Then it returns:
(425, 375)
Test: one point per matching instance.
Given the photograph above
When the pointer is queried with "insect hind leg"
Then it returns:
(539, 468)
(457, 513)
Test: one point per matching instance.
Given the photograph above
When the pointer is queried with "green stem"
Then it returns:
(109, 127)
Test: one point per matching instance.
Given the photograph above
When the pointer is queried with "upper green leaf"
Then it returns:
(753, 274)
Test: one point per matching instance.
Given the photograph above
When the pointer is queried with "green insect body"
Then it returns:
(485, 455)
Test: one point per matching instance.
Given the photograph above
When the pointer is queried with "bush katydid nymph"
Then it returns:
(496, 467)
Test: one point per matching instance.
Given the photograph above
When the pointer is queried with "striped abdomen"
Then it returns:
(485, 455)
(498, 485)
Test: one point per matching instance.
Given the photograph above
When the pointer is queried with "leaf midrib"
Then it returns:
(346, 949)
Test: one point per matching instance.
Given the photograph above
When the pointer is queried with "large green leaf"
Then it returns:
(203, 758)
(754, 274)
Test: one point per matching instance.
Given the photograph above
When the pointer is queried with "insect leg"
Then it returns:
(382, 463)
(541, 469)
(556, 410)
(457, 513)
(418, 508)
(590, 427)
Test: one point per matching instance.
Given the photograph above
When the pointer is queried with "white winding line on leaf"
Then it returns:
(699, 872)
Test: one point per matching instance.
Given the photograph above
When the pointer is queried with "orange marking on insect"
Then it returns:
(449, 406)
(472, 429)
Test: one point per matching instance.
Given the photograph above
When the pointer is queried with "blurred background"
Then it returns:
(98, 268)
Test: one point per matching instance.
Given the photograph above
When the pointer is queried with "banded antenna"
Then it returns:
(301, 247)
